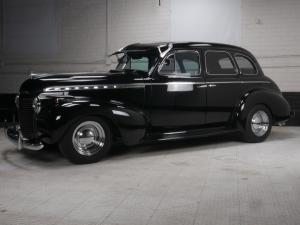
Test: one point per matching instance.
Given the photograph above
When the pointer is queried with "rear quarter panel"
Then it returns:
(264, 93)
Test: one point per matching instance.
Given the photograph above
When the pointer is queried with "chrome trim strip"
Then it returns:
(178, 132)
(175, 83)
(199, 45)
(93, 87)
(71, 78)
(239, 82)
(182, 76)
(170, 138)
(213, 82)
(256, 82)
(120, 113)
(66, 89)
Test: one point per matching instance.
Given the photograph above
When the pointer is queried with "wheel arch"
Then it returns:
(273, 101)
(127, 123)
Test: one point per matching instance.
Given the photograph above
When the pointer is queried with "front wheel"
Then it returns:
(87, 141)
(258, 124)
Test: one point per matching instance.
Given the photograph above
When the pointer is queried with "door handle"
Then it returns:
(212, 85)
(202, 86)
(205, 85)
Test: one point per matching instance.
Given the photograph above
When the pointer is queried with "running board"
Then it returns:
(177, 135)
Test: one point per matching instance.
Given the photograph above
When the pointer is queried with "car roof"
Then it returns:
(154, 46)
(164, 47)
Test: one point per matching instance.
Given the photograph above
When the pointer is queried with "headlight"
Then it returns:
(36, 105)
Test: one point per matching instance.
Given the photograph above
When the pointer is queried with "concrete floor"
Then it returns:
(208, 181)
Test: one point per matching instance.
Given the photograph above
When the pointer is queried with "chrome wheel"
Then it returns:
(260, 123)
(88, 138)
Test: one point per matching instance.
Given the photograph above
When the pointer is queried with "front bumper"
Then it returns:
(14, 134)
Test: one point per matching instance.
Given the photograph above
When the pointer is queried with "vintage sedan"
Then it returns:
(157, 92)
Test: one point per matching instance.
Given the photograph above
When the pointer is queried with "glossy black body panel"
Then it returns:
(177, 102)
(142, 106)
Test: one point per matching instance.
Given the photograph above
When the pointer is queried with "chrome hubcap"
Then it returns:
(260, 123)
(88, 138)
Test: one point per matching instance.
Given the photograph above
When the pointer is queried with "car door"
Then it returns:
(223, 85)
(249, 73)
(178, 98)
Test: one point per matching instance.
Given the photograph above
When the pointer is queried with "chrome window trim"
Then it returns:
(224, 74)
(199, 45)
(252, 62)
(180, 76)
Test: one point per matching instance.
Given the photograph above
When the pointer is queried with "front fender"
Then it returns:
(274, 101)
(127, 122)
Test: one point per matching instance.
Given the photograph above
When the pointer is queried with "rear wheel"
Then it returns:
(87, 141)
(258, 124)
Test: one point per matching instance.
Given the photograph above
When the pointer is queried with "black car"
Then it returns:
(157, 92)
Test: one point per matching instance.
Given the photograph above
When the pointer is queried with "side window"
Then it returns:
(219, 63)
(140, 63)
(168, 65)
(187, 63)
(245, 65)
(181, 63)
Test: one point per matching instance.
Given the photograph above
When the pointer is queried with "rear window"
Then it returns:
(245, 65)
(219, 63)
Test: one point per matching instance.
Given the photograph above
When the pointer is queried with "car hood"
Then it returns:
(38, 82)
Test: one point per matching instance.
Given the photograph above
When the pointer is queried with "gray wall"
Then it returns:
(52, 35)
(271, 30)
(76, 35)
(210, 21)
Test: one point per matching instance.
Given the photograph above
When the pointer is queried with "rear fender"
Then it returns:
(274, 101)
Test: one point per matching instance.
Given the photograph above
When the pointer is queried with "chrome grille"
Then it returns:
(26, 117)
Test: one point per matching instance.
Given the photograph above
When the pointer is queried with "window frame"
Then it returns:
(180, 76)
(221, 74)
(251, 61)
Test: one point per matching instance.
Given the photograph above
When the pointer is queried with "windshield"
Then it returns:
(141, 61)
